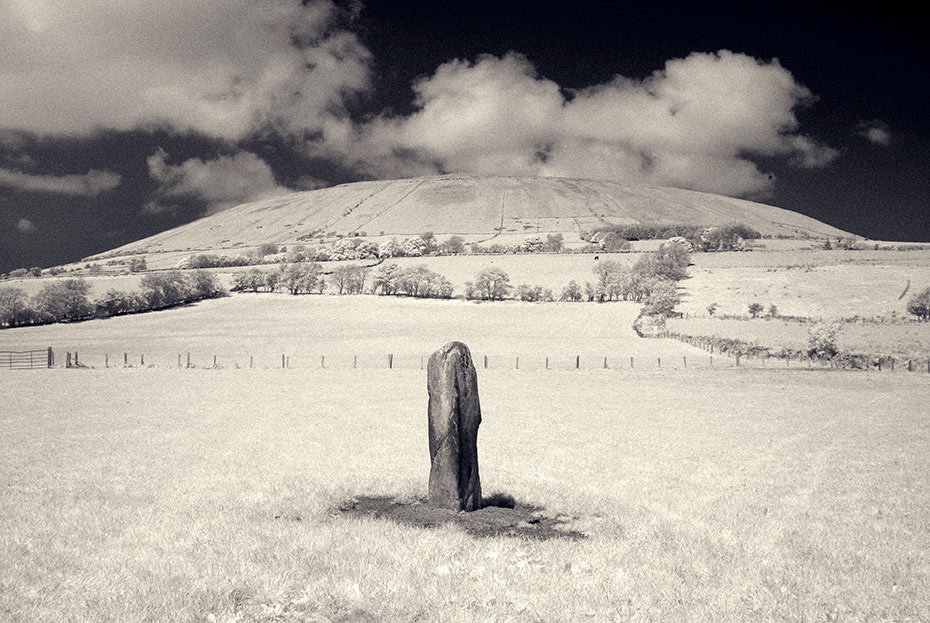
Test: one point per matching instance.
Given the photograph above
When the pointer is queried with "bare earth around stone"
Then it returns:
(518, 520)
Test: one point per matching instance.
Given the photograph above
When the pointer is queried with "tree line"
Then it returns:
(68, 300)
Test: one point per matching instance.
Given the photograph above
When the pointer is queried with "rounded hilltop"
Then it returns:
(479, 209)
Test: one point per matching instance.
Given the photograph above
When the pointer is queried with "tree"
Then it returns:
(349, 279)
(249, 281)
(268, 248)
(386, 279)
(137, 265)
(203, 284)
(554, 243)
(164, 289)
(613, 242)
(492, 284)
(572, 292)
(453, 245)
(755, 309)
(821, 339)
(14, 306)
(610, 280)
(272, 279)
(919, 305)
(532, 244)
(64, 300)
(662, 299)
(300, 278)
(429, 240)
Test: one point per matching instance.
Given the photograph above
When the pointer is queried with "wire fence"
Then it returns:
(710, 359)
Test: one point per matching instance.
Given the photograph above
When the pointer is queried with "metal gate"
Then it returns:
(26, 359)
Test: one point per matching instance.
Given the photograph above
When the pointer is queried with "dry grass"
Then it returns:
(716, 496)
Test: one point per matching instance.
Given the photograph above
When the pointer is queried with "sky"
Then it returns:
(120, 119)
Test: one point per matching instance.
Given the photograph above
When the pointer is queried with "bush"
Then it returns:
(268, 248)
(554, 243)
(165, 289)
(919, 305)
(137, 265)
(755, 309)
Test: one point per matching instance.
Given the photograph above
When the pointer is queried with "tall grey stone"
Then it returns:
(454, 417)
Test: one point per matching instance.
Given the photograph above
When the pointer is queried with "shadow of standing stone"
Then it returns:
(454, 417)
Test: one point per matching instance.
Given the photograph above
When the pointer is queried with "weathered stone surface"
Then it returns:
(454, 417)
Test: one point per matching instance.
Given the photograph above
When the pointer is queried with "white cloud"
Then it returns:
(25, 226)
(695, 124)
(89, 184)
(222, 183)
(224, 69)
(875, 131)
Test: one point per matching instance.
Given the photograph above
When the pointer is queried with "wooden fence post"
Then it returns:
(322, 362)
(631, 363)
(142, 359)
(485, 362)
(577, 361)
(188, 360)
(106, 360)
(391, 361)
(51, 357)
(517, 364)
(283, 362)
(125, 359)
(685, 360)
(250, 361)
(547, 363)
(354, 361)
(605, 363)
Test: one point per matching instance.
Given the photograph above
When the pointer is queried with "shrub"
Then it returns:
(919, 305)
(137, 265)
(492, 284)
(203, 284)
(755, 309)
(613, 242)
(712, 309)
(532, 244)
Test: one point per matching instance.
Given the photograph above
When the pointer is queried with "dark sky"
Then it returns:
(114, 129)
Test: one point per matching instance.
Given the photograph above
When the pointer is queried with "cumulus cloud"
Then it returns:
(875, 131)
(25, 226)
(225, 69)
(697, 124)
(221, 183)
(89, 184)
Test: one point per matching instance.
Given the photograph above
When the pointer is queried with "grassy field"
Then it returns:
(211, 495)
(900, 340)
(306, 328)
(811, 283)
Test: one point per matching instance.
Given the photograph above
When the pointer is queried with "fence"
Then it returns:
(27, 359)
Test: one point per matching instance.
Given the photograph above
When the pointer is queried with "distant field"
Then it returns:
(718, 496)
(306, 328)
(807, 283)
(902, 340)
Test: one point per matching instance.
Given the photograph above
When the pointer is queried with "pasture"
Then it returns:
(202, 495)
(156, 493)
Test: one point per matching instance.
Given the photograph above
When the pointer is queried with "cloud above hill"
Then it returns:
(89, 184)
(224, 69)
(221, 183)
(238, 69)
(697, 124)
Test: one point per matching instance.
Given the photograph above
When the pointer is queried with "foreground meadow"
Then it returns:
(212, 495)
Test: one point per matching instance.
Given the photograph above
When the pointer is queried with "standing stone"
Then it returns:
(454, 417)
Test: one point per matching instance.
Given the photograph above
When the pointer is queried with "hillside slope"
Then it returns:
(477, 208)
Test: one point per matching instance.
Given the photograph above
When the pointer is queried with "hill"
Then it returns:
(476, 208)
